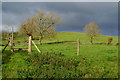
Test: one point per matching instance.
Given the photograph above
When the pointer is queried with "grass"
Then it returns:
(99, 57)
(73, 36)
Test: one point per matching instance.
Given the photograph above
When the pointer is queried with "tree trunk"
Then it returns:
(30, 44)
(91, 40)
(40, 40)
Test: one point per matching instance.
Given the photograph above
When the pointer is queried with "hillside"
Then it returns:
(94, 61)
(67, 37)
(73, 36)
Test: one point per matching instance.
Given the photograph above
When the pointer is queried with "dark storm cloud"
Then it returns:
(74, 15)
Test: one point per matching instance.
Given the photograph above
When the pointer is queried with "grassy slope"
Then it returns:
(69, 36)
(73, 36)
(98, 55)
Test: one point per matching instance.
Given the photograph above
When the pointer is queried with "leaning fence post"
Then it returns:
(78, 47)
(36, 46)
(6, 46)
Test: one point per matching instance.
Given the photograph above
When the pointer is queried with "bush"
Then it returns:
(52, 65)
(117, 44)
(110, 40)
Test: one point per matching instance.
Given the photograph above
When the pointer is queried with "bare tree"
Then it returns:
(92, 30)
(42, 24)
(8, 31)
(45, 23)
(28, 28)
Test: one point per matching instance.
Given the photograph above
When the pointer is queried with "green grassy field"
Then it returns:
(94, 61)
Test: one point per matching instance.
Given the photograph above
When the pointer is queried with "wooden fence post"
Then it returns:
(11, 43)
(12, 33)
(30, 44)
(78, 47)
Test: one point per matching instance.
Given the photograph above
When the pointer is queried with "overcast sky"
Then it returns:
(74, 15)
(0, 16)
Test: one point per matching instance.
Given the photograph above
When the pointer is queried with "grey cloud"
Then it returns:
(74, 15)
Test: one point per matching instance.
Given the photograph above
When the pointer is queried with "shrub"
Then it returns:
(52, 65)
(18, 42)
(110, 40)
(55, 65)
(117, 44)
